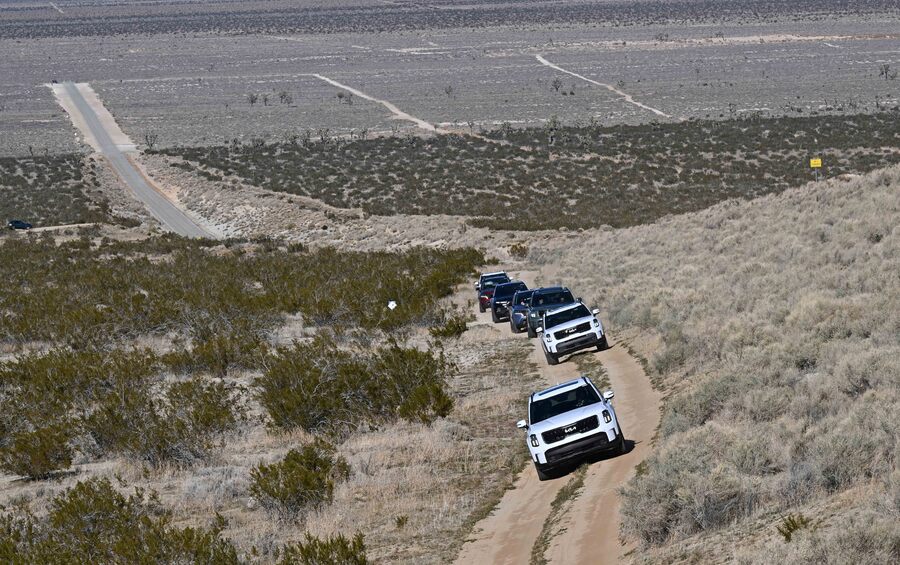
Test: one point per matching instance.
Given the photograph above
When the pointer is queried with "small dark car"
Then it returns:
(518, 310)
(485, 287)
(503, 294)
(544, 299)
(18, 225)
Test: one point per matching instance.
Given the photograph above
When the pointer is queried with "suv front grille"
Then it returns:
(563, 334)
(579, 427)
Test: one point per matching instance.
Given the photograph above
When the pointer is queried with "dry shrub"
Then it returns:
(315, 551)
(779, 319)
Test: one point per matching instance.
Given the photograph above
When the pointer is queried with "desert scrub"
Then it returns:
(451, 326)
(107, 402)
(782, 363)
(49, 190)
(334, 549)
(318, 387)
(94, 523)
(221, 300)
(623, 175)
(302, 481)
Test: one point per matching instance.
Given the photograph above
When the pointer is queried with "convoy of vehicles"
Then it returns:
(572, 420)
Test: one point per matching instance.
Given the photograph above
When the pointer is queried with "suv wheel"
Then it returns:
(620, 449)
(480, 307)
(531, 332)
(542, 473)
(552, 359)
(494, 317)
(512, 326)
(604, 344)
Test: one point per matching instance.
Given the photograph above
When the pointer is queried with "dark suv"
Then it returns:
(518, 310)
(485, 287)
(544, 299)
(18, 225)
(503, 294)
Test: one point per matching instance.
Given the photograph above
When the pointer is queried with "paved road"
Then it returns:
(158, 205)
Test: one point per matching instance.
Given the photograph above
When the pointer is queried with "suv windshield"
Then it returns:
(558, 318)
(551, 298)
(507, 290)
(494, 281)
(561, 403)
(523, 297)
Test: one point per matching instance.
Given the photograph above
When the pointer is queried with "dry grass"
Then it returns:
(780, 325)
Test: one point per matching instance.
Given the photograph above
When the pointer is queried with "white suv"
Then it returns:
(569, 421)
(569, 329)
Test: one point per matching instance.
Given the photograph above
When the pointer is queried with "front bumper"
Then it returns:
(502, 311)
(583, 447)
(571, 345)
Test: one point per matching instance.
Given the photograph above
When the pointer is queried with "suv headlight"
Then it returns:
(534, 441)
(548, 336)
(596, 323)
(606, 416)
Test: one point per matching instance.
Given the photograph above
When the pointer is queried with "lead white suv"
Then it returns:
(569, 329)
(569, 421)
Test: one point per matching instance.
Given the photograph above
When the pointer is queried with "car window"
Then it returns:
(561, 403)
(558, 318)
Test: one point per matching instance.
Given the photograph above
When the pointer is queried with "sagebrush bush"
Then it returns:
(302, 481)
(319, 387)
(332, 550)
(93, 523)
(37, 454)
(451, 326)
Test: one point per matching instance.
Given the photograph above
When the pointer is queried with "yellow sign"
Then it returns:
(815, 163)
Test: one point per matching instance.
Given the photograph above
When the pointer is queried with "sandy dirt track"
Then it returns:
(588, 535)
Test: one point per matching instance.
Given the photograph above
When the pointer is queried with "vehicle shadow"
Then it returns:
(568, 469)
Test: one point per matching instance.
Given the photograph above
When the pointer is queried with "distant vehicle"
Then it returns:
(569, 329)
(503, 295)
(518, 310)
(485, 287)
(544, 299)
(568, 422)
(18, 225)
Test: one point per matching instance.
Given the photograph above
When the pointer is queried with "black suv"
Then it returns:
(544, 299)
(502, 298)
(18, 225)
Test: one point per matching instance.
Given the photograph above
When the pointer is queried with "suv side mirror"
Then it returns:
(608, 395)
(538, 329)
(595, 311)
(477, 286)
(579, 299)
(521, 424)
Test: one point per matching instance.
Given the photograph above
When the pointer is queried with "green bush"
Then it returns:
(303, 480)
(318, 387)
(451, 327)
(37, 454)
(94, 523)
(336, 550)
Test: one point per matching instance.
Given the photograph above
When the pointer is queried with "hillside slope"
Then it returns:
(779, 321)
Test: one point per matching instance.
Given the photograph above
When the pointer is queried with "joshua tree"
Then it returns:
(885, 71)
(252, 98)
(285, 97)
(265, 99)
(556, 84)
(448, 91)
(150, 139)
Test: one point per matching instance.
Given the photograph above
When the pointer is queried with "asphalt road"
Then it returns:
(158, 205)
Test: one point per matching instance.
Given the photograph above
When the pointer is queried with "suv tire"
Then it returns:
(512, 326)
(531, 332)
(552, 359)
(480, 307)
(604, 344)
(494, 317)
(542, 472)
(620, 449)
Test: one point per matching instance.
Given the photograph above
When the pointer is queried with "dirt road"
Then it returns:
(589, 528)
